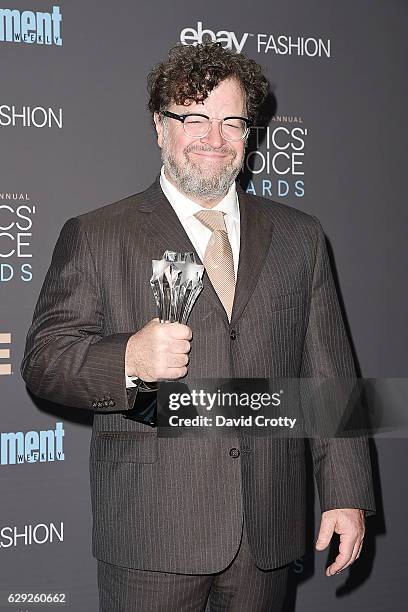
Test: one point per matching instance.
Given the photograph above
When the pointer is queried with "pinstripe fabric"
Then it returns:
(241, 587)
(218, 258)
(176, 504)
(127, 590)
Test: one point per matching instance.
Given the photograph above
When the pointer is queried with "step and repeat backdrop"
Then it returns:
(75, 135)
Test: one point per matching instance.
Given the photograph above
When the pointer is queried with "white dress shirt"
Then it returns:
(198, 234)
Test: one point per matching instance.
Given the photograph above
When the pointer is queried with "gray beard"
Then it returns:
(190, 179)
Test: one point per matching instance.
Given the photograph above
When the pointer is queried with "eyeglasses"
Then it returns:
(196, 125)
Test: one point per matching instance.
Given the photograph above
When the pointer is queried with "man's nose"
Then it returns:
(214, 138)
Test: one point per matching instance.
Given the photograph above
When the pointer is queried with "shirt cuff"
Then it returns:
(134, 381)
(129, 382)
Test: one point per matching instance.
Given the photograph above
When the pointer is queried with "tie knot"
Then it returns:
(212, 219)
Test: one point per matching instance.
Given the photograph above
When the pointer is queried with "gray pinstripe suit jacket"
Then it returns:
(176, 504)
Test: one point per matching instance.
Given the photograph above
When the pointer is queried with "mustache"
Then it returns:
(206, 148)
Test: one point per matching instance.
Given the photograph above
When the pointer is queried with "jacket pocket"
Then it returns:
(125, 447)
(287, 300)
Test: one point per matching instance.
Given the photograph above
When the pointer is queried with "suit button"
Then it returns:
(233, 334)
(234, 452)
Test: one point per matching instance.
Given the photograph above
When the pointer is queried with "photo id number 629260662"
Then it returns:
(18, 599)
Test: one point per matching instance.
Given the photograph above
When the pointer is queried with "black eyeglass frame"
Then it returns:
(182, 118)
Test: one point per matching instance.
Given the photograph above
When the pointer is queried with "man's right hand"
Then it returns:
(158, 351)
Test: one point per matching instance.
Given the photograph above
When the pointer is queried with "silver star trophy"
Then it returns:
(176, 283)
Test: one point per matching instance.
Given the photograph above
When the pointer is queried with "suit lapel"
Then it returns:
(164, 228)
(255, 240)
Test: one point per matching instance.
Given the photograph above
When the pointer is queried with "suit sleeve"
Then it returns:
(342, 466)
(68, 357)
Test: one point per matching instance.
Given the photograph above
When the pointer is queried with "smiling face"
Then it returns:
(203, 168)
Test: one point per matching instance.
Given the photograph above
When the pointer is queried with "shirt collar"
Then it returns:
(185, 208)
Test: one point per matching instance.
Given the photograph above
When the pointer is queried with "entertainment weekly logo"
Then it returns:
(40, 28)
(17, 216)
(43, 446)
(276, 160)
(278, 44)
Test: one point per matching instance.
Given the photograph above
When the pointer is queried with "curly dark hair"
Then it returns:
(192, 72)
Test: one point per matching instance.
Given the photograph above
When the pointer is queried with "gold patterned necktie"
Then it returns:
(218, 260)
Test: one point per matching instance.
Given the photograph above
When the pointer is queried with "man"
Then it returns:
(185, 520)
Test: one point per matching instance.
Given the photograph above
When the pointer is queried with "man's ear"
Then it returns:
(158, 122)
